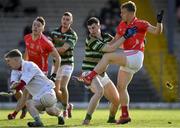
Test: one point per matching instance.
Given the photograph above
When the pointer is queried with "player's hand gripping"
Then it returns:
(160, 16)
(53, 77)
(14, 85)
(130, 32)
(11, 116)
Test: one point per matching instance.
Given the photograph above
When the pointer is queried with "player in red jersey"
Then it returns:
(38, 49)
(131, 59)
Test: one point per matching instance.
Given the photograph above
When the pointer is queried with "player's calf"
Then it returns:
(24, 111)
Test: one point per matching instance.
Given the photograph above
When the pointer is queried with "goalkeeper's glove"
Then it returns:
(130, 32)
(12, 116)
(160, 16)
(53, 77)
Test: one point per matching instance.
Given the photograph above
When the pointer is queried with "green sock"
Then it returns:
(88, 117)
(111, 118)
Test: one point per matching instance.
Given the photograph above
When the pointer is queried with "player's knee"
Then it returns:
(106, 57)
(64, 88)
(56, 89)
(18, 95)
(121, 87)
(50, 112)
(99, 92)
(58, 92)
(29, 103)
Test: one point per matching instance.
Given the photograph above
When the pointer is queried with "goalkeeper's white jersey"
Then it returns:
(36, 81)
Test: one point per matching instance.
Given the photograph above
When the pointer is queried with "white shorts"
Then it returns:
(39, 95)
(50, 98)
(134, 61)
(103, 79)
(64, 70)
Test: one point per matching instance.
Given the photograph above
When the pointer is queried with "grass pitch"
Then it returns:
(140, 119)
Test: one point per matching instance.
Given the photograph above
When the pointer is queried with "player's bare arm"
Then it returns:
(63, 49)
(25, 55)
(56, 56)
(114, 46)
(111, 48)
(159, 26)
(155, 29)
(22, 101)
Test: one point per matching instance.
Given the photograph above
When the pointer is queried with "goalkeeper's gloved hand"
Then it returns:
(160, 16)
(53, 77)
(12, 116)
(14, 85)
(130, 32)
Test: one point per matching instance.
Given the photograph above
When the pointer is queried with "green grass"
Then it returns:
(140, 119)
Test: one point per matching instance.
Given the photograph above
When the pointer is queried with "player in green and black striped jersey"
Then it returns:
(101, 85)
(64, 39)
(93, 50)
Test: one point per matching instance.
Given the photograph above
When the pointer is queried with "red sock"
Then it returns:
(91, 75)
(14, 113)
(124, 111)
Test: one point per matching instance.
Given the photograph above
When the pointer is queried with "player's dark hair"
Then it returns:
(13, 53)
(93, 20)
(130, 6)
(41, 20)
(68, 14)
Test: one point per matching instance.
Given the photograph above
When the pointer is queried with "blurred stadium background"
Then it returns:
(162, 55)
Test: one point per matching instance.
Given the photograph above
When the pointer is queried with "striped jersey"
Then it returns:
(59, 38)
(93, 51)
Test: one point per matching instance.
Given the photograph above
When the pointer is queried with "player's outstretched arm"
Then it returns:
(21, 102)
(112, 47)
(159, 26)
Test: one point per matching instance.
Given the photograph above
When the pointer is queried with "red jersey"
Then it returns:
(135, 42)
(38, 50)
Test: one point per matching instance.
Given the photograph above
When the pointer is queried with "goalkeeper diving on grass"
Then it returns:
(38, 90)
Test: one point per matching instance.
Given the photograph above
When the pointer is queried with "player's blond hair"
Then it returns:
(130, 6)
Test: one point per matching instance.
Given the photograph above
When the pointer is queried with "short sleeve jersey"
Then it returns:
(30, 73)
(93, 50)
(135, 42)
(59, 39)
(39, 50)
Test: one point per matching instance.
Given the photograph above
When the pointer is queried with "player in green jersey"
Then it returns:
(64, 39)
